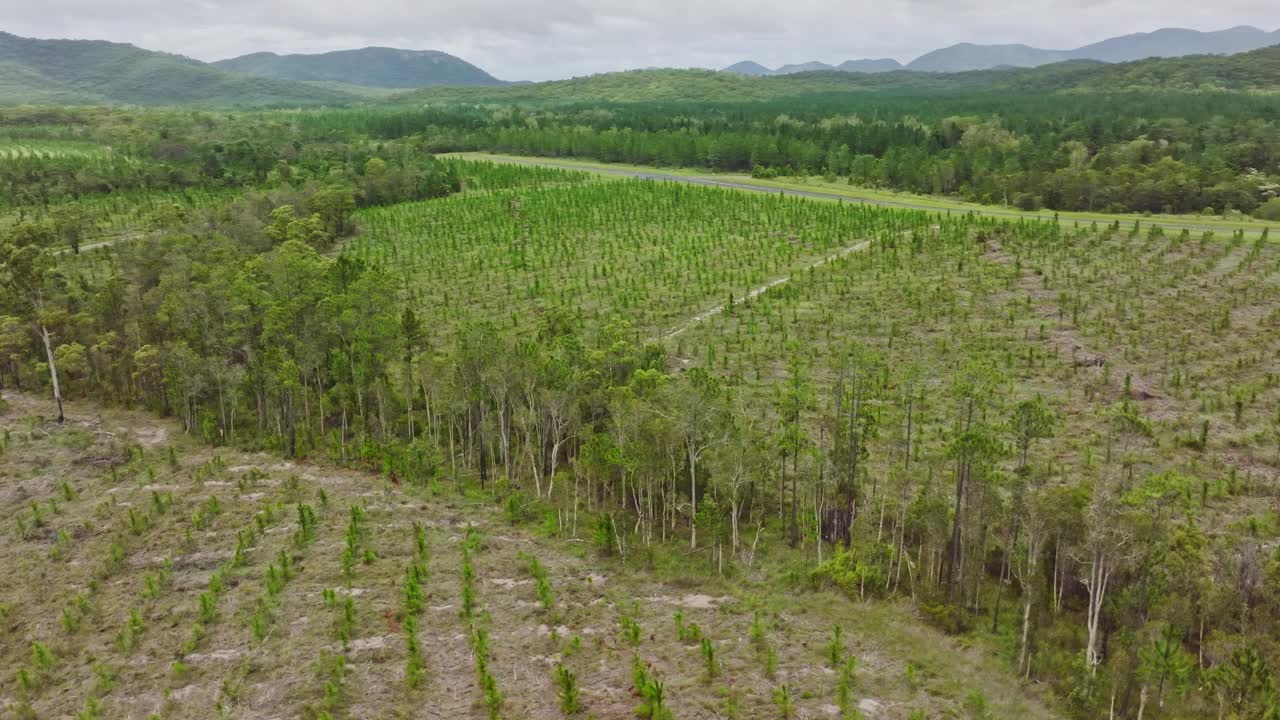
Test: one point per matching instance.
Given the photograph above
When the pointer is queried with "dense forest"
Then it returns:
(1142, 152)
(1146, 152)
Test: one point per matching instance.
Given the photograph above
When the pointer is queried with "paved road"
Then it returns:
(906, 205)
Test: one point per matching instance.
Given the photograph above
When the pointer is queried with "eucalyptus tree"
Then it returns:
(793, 397)
(478, 351)
(974, 449)
(701, 414)
(28, 277)
(1106, 549)
(859, 380)
(739, 463)
(412, 339)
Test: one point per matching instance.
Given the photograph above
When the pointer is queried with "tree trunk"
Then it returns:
(852, 500)
(1026, 631)
(1099, 575)
(693, 500)
(953, 552)
(795, 500)
(409, 393)
(1004, 580)
(53, 370)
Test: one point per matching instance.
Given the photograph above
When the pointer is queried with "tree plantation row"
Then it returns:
(1030, 431)
(653, 253)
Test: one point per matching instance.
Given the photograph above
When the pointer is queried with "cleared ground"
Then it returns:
(113, 535)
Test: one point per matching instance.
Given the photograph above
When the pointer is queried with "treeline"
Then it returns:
(165, 151)
(982, 162)
(1158, 152)
(1129, 152)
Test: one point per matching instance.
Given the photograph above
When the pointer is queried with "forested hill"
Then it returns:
(1258, 70)
(1253, 71)
(95, 72)
(377, 67)
(102, 73)
(695, 85)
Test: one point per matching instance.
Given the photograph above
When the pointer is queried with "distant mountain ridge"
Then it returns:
(750, 67)
(94, 72)
(1257, 70)
(97, 72)
(1176, 42)
(963, 57)
(377, 67)
(967, 56)
(870, 66)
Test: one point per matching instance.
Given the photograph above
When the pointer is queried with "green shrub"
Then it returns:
(567, 689)
(851, 576)
(947, 617)
(1270, 210)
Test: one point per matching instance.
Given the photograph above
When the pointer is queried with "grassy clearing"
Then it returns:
(817, 184)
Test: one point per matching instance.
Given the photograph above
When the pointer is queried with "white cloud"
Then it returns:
(562, 38)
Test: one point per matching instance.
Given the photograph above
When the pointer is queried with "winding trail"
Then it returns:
(102, 241)
(757, 292)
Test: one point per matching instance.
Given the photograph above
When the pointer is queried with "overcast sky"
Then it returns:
(532, 40)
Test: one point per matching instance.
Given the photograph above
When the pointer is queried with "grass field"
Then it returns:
(1250, 226)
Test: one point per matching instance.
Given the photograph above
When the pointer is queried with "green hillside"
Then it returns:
(1254, 71)
(629, 86)
(377, 67)
(99, 72)
(103, 73)
(693, 85)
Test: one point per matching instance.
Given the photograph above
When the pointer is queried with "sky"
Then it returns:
(543, 40)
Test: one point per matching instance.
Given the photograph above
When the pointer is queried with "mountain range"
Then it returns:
(750, 67)
(1253, 71)
(1167, 42)
(377, 67)
(95, 72)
